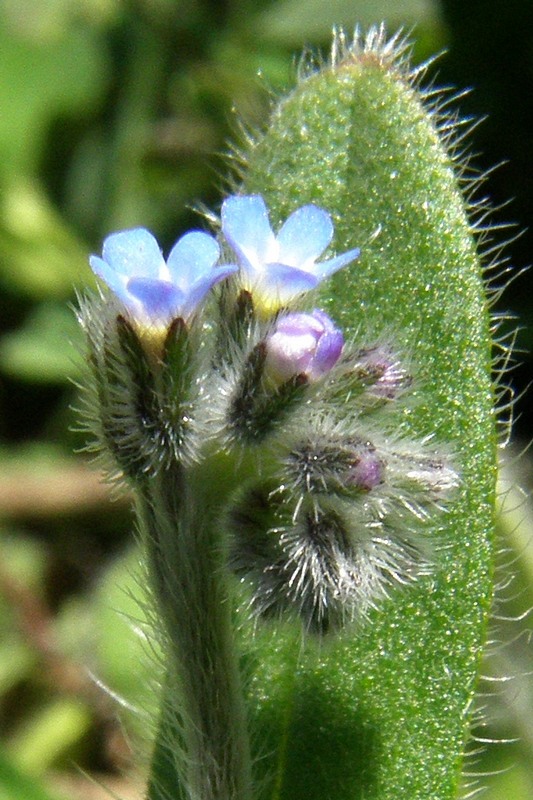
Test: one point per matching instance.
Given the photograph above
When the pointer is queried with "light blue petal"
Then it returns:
(133, 253)
(202, 286)
(192, 257)
(326, 268)
(117, 283)
(282, 283)
(160, 299)
(246, 226)
(305, 235)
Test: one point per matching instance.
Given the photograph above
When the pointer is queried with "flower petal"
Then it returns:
(246, 226)
(202, 286)
(160, 299)
(289, 354)
(133, 253)
(327, 352)
(324, 320)
(302, 322)
(281, 283)
(191, 258)
(305, 235)
(326, 268)
(117, 283)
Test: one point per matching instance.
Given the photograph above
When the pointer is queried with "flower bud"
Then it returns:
(366, 470)
(335, 466)
(432, 475)
(305, 344)
(380, 370)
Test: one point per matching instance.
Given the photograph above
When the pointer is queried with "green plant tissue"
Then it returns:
(382, 711)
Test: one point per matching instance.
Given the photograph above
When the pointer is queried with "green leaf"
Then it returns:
(126, 662)
(40, 79)
(298, 21)
(382, 711)
(50, 735)
(46, 349)
(14, 785)
(39, 256)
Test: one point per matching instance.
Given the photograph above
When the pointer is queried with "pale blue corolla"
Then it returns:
(278, 268)
(153, 290)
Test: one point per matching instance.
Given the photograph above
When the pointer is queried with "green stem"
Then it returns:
(164, 780)
(181, 516)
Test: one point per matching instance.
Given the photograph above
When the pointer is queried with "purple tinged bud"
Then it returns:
(366, 471)
(302, 343)
(381, 371)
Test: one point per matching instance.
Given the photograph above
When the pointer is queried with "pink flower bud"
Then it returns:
(302, 343)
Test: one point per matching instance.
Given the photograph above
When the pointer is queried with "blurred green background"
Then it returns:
(114, 114)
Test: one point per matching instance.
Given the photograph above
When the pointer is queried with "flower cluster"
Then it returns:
(322, 502)
(275, 269)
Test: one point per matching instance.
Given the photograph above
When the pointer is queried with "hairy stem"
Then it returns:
(180, 514)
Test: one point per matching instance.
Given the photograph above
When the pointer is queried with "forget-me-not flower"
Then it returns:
(276, 269)
(303, 343)
(153, 290)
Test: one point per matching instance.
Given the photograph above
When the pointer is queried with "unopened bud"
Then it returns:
(380, 370)
(305, 344)
(339, 466)
(367, 469)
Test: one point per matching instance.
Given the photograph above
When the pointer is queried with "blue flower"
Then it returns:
(276, 269)
(303, 344)
(155, 291)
